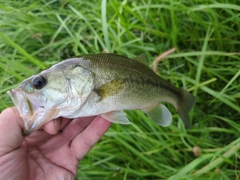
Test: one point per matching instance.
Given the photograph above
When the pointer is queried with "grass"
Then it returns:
(37, 34)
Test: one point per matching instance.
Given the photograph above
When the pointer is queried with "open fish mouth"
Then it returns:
(30, 109)
(22, 104)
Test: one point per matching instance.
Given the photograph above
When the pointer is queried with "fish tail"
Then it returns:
(184, 105)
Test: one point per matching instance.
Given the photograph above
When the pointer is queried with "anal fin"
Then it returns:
(160, 115)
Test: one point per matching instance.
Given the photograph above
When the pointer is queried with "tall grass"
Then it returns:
(37, 34)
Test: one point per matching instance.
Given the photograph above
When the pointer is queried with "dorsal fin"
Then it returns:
(142, 58)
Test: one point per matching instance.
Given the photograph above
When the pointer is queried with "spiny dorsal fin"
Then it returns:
(142, 58)
(160, 115)
(111, 88)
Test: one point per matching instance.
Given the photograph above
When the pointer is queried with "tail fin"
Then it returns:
(184, 105)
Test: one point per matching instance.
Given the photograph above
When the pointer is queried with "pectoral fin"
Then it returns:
(111, 88)
(160, 115)
(118, 117)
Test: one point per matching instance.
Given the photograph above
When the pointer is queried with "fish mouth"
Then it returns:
(30, 108)
(21, 102)
(23, 106)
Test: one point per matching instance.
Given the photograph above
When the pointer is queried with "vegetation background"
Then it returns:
(34, 34)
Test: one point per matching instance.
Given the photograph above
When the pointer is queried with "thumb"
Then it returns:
(11, 126)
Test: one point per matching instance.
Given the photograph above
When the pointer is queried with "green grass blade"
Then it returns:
(105, 25)
(23, 52)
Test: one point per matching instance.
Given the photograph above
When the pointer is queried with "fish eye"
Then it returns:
(39, 82)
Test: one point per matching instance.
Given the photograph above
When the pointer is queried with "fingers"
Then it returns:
(11, 126)
(76, 126)
(55, 125)
(83, 142)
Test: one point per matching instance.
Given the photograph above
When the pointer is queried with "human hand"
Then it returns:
(46, 153)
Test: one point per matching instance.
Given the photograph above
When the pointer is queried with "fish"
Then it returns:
(102, 84)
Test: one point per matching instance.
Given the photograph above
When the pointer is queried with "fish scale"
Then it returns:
(98, 84)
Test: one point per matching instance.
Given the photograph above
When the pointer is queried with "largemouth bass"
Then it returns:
(101, 84)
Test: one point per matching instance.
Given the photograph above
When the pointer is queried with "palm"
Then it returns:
(45, 160)
(45, 156)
